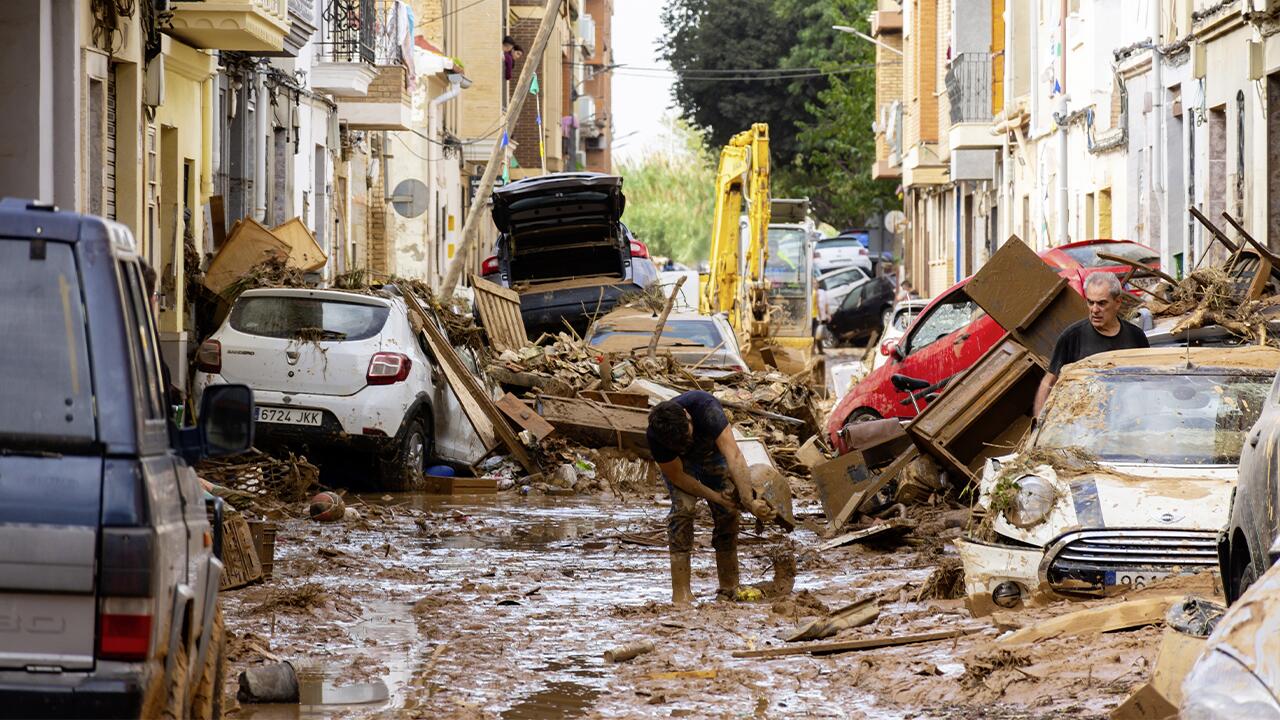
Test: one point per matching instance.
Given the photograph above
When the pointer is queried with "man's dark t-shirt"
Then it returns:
(708, 422)
(1080, 340)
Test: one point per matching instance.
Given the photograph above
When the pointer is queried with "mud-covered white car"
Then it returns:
(1127, 479)
(1238, 673)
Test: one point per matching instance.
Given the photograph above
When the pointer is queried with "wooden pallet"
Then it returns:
(440, 485)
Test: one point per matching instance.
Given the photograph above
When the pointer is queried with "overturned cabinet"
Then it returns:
(986, 410)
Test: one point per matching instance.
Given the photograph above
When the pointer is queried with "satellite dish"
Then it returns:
(410, 198)
(895, 221)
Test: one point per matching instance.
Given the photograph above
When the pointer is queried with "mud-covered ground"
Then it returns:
(501, 607)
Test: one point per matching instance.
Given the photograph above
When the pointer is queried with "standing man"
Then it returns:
(1103, 331)
(692, 442)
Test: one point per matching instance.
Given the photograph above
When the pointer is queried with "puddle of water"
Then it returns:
(558, 700)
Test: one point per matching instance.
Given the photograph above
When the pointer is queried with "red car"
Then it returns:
(952, 333)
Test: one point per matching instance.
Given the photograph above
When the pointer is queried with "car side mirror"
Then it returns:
(225, 425)
(890, 348)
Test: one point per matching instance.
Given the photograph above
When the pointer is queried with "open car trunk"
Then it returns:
(562, 226)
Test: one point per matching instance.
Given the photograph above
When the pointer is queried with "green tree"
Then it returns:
(670, 198)
(820, 123)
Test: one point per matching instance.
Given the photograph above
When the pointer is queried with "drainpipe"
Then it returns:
(1157, 134)
(1064, 196)
(260, 147)
(215, 139)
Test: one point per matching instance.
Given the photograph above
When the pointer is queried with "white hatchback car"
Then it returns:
(337, 371)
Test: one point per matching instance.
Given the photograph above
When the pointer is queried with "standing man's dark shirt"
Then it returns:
(1080, 340)
(708, 421)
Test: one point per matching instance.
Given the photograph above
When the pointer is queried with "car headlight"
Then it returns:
(1219, 688)
(1032, 503)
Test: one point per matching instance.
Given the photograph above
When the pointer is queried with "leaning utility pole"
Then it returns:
(471, 227)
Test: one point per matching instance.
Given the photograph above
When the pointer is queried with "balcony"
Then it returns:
(374, 48)
(302, 18)
(345, 55)
(243, 25)
(969, 90)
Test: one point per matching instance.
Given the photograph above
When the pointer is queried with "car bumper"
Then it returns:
(1100, 561)
(988, 565)
(548, 311)
(369, 420)
(85, 697)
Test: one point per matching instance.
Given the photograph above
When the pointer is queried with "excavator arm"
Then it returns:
(736, 284)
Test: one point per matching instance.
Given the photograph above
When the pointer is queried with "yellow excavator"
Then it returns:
(738, 283)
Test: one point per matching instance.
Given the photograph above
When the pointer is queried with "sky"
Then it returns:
(641, 97)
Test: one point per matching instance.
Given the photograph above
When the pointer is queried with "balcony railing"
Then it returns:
(969, 88)
(350, 31)
(391, 35)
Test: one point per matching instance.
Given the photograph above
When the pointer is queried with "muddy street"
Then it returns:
(502, 606)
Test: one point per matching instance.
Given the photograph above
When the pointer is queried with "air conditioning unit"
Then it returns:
(586, 111)
(587, 33)
(599, 141)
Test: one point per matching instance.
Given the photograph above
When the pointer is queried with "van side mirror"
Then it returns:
(225, 425)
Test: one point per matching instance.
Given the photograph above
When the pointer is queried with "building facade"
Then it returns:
(1067, 120)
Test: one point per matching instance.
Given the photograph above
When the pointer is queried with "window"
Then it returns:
(146, 365)
(855, 297)
(47, 393)
(944, 319)
(307, 318)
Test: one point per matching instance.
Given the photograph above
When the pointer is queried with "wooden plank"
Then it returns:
(617, 397)
(548, 385)
(441, 485)
(524, 416)
(304, 251)
(250, 243)
(862, 612)
(218, 220)
(597, 425)
(1104, 618)
(856, 645)
(475, 401)
(499, 310)
(896, 525)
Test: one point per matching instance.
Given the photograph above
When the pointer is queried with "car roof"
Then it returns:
(349, 296)
(1173, 359)
(837, 271)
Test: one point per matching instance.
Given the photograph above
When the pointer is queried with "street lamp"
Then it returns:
(868, 38)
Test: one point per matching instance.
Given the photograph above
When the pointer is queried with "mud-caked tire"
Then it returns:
(168, 700)
(404, 467)
(206, 697)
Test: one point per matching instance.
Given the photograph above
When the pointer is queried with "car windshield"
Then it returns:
(1199, 419)
(841, 278)
(702, 333)
(306, 318)
(945, 318)
(786, 263)
(47, 392)
(1087, 255)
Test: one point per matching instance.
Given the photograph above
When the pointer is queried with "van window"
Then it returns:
(46, 396)
(303, 318)
(142, 337)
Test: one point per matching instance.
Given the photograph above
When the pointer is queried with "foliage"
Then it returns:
(670, 198)
(820, 127)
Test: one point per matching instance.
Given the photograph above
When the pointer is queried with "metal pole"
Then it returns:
(471, 229)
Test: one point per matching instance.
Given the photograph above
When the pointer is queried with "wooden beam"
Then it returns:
(1104, 618)
(662, 319)
(1213, 229)
(524, 416)
(856, 645)
(475, 401)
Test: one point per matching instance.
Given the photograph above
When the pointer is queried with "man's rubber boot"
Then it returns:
(680, 571)
(727, 572)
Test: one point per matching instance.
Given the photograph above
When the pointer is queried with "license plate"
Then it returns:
(288, 416)
(1135, 580)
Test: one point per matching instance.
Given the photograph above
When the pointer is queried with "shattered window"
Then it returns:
(1087, 255)
(308, 318)
(682, 332)
(943, 320)
(1165, 419)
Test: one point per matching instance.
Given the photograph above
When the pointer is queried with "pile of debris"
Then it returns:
(256, 480)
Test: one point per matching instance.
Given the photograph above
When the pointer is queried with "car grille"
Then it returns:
(1146, 548)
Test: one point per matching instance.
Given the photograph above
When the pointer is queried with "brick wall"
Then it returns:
(889, 71)
(524, 32)
(387, 87)
(601, 86)
(377, 216)
(926, 41)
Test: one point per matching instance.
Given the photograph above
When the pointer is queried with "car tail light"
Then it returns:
(639, 249)
(209, 357)
(124, 629)
(489, 266)
(387, 368)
